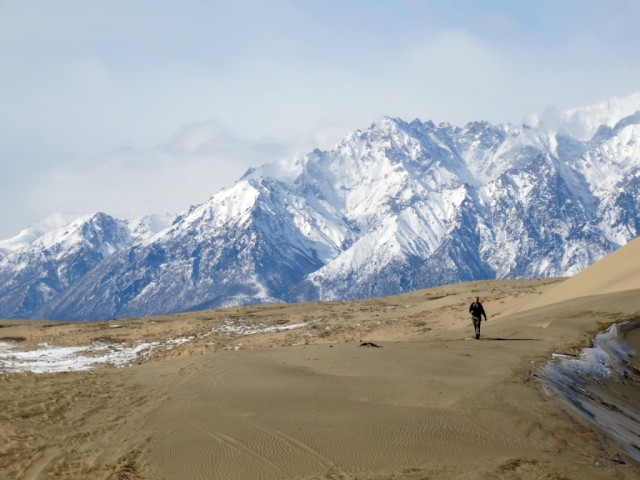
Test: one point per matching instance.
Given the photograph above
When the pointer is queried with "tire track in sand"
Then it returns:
(233, 443)
(218, 380)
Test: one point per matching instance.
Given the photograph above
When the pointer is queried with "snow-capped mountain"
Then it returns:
(394, 207)
(56, 260)
(28, 235)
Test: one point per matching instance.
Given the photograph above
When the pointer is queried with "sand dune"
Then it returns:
(288, 392)
(617, 272)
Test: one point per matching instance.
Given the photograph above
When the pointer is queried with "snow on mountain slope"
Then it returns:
(57, 260)
(612, 171)
(29, 234)
(243, 246)
(445, 203)
(394, 207)
(147, 226)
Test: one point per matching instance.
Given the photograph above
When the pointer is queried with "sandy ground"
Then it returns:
(290, 392)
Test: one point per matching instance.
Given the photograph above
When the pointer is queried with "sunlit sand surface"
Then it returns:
(387, 388)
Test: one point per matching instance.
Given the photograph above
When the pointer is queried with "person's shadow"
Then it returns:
(500, 339)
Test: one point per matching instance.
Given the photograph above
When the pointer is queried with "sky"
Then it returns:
(133, 107)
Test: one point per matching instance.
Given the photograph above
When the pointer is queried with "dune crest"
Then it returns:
(617, 272)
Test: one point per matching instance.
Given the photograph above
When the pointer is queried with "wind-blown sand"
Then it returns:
(288, 392)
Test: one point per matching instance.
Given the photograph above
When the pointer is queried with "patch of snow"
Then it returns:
(54, 359)
(239, 327)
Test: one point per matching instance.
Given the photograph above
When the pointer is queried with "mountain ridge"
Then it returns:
(394, 207)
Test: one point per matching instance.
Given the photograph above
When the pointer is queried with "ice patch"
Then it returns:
(578, 381)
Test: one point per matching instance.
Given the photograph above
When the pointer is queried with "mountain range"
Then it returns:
(391, 208)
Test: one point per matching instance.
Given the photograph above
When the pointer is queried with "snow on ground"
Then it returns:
(48, 358)
(51, 359)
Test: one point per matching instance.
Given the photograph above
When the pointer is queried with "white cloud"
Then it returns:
(187, 169)
(459, 76)
(279, 77)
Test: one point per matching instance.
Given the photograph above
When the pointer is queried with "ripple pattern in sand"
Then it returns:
(303, 426)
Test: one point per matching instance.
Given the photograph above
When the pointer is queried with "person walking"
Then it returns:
(477, 311)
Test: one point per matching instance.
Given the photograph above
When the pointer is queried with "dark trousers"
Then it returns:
(476, 325)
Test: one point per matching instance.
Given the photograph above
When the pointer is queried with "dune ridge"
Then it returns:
(617, 272)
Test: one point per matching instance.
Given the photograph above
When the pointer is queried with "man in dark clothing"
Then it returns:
(477, 311)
